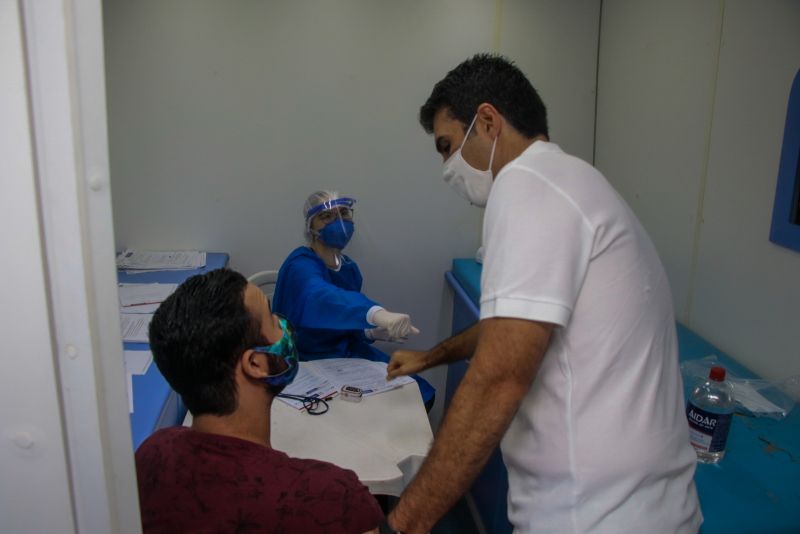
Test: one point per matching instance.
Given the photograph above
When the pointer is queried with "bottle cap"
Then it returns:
(717, 374)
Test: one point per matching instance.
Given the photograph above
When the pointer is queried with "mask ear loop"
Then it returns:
(494, 143)
(316, 210)
(265, 350)
(466, 135)
(491, 156)
(311, 231)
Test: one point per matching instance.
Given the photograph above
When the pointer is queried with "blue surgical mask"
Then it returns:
(337, 234)
(285, 349)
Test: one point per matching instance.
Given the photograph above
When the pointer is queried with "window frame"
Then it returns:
(785, 229)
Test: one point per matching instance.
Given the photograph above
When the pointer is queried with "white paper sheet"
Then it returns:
(160, 260)
(324, 378)
(130, 294)
(130, 392)
(134, 298)
(368, 375)
(134, 326)
(308, 383)
(137, 362)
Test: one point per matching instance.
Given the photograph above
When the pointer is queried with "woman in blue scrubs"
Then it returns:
(319, 291)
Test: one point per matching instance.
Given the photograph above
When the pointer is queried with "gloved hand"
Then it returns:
(397, 325)
(380, 334)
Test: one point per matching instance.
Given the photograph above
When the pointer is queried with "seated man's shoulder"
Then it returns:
(322, 497)
(315, 472)
(204, 478)
(162, 441)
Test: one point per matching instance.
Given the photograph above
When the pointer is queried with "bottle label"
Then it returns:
(707, 431)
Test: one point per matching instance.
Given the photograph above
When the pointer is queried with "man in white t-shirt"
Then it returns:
(574, 365)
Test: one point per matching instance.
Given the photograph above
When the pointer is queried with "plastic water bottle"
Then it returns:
(710, 411)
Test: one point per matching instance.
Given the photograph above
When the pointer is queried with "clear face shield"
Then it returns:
(337, 217)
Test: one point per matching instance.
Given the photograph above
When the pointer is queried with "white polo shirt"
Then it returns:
(600, 442)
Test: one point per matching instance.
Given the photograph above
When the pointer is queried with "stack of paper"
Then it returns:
(308, 383)
(143, 298)
(137, 362)
(151, 260)
(135, 326)
(137, 303)
(324, 378)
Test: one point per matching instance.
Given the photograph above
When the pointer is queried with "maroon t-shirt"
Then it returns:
(196, 482)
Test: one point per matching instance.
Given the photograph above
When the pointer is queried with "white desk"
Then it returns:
(383, 439)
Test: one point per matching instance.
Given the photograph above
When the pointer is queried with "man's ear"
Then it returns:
(255, 364)
(490, 119)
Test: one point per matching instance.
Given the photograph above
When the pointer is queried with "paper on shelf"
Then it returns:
(129, 381)
(137, 362)
(143, 298)
(135, 326)
(153, 260)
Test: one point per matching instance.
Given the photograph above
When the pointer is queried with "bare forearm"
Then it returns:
(459, 347)
(505, 363)
(460, 451)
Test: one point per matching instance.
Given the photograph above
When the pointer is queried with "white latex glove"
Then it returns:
(381, 334)
(398, 325)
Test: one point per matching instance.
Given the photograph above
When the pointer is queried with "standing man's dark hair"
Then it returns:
(492, 79)
(197, 336)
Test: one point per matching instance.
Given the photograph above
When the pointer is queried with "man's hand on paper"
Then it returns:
(406, 362)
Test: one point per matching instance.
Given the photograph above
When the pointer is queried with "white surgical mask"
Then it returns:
(469, 182)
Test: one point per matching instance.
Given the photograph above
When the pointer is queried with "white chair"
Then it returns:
(265, 280)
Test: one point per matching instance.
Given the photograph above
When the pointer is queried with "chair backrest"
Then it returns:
(265, 280)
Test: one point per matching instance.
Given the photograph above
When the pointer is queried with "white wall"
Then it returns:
(747, 289)
(224, 115)
(691, 109)
(64, 411)
(35, 491)
(555, 44)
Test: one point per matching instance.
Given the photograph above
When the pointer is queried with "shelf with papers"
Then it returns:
(155, 404)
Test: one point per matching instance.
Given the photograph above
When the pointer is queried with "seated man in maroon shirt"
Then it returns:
(219, 346)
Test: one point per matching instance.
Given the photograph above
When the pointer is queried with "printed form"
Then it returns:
(324, 378)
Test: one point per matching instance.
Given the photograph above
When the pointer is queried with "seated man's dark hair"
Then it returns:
(487, 78)
(197, 336)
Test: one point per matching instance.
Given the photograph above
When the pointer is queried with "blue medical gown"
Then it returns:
(328, 310)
